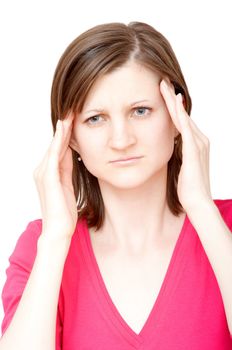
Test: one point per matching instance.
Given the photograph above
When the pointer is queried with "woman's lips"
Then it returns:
(126, 160)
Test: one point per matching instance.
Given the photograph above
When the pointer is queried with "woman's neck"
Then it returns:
(136, 217)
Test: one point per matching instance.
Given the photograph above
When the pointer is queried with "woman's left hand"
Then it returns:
(193, 187)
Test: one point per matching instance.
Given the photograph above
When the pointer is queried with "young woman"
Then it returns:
(131, 252)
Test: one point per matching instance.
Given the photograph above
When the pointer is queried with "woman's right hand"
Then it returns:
(53, 178)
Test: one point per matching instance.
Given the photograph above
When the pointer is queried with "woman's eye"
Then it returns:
(142, 110)
(93, 120)
(96, 118)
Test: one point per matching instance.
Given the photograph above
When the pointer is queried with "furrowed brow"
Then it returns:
(101, 110)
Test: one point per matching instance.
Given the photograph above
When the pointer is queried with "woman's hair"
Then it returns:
(98, 51)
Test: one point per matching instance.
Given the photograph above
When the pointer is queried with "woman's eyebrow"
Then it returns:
(100, 110)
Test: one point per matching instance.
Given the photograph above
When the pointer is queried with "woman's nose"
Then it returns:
(121, 135)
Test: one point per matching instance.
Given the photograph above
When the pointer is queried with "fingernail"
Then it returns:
(70, 114)
(164, 83)
(58, 125)
(179, 96)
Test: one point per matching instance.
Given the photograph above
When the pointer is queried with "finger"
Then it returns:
(59, 143)
(193, 143)
(66, 141)
(61, 140)
(169, 99)
(66, 168)
(48, 172)
(200, 138)
(187, 133)
(199, 133)
(67, 128)
(69, 116)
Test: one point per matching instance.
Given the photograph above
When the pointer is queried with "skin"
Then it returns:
(134, 194)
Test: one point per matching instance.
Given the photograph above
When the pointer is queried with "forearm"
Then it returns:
(216, 239)
(34, 323)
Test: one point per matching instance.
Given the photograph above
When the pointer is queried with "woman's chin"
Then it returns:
(125, 182)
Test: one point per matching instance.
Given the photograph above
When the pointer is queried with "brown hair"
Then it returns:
(98, 51)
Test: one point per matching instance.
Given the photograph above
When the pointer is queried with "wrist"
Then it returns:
(53, 242)
(203, 210)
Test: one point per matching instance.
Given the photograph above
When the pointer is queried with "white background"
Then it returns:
(34, 34)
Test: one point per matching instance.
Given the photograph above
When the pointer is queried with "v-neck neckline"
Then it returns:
(163, 295)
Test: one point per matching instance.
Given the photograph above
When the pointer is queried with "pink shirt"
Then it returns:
(187, 314)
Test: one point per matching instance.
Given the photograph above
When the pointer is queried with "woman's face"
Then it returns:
(125, 116)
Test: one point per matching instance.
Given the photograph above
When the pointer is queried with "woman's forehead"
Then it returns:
(130, 83)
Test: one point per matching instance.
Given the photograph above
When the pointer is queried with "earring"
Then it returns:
(175, 142)
(79, 159)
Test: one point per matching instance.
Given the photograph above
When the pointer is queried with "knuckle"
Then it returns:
(207, 142)
(36, 173)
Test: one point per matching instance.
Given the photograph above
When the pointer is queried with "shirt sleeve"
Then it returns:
(20, 265)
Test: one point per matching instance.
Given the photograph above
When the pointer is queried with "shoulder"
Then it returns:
(26, 245)
(20, 264)
(31, 232)
(224, 205)
(225, 208)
